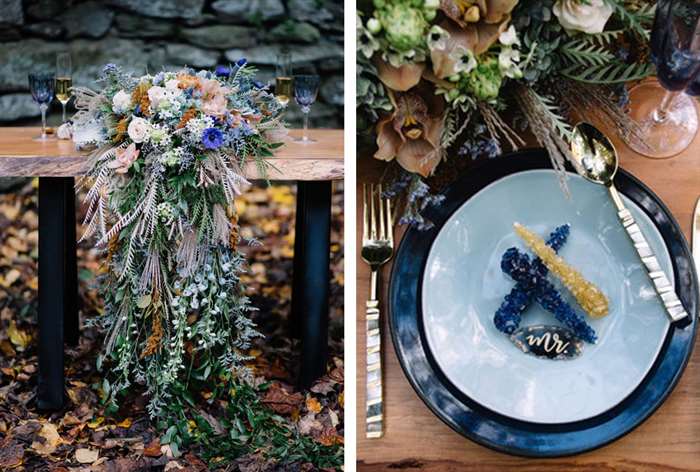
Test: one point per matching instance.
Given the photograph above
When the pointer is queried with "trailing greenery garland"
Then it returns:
(171, 154)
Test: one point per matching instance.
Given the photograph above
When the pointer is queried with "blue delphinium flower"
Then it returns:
(159, 78)
(241, 62)
(223, 71)
(212, 138)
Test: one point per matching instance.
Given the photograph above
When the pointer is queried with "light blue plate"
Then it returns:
(463, 286)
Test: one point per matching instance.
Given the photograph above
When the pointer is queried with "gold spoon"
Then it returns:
(595, 159)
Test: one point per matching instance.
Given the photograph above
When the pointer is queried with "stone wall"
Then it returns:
(150, 35)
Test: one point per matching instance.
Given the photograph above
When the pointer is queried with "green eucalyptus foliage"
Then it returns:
(371, 95)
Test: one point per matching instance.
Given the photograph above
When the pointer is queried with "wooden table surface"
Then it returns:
(415, 439)
(21, 156)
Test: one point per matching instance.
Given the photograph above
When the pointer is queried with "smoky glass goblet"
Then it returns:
(305, 93)
(42, 87)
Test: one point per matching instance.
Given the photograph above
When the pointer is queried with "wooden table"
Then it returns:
(415, 439)
(56, 163)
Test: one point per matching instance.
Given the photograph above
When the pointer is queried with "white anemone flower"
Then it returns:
(509, 37)
(464, 60)
(437, 38)
(508, 60)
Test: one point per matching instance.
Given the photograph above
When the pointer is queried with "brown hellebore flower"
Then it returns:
(400, 78)
(411, 134)
(474, 25)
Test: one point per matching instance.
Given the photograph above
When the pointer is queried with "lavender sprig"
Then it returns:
(509, 314)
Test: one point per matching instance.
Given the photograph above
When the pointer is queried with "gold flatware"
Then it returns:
(596, 160)
(377, 249)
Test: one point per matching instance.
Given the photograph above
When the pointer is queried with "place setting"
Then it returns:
(542, 300)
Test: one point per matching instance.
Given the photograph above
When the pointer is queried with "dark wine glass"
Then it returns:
(42, 87)
(667, 117)
(305, 92)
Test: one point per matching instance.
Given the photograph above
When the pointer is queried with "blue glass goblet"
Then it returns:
(305, 93)
(42, 86)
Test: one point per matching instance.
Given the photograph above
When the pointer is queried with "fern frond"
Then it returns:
(609, 73)
(646, 13)
(603, 38)
(635, 20)
(128, 263)
(585, 54)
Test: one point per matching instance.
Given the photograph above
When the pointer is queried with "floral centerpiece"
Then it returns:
(171, 153)
(437, 77)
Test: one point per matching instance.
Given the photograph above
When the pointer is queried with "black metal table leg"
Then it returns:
(57, 285)
(71, 301)
(311, 283)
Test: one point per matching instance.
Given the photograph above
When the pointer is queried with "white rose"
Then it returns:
(121, 102)
(138, 129)
(172, 84)
(156, 95)
(589, 17)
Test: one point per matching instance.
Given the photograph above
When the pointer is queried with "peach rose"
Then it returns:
(124, 158)
(213, 97)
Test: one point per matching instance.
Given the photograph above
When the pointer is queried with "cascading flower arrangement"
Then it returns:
(170, 158)
(436, 77)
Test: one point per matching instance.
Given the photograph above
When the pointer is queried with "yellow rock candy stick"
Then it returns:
(591, 299)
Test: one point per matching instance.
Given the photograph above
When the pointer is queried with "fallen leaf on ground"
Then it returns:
(51, 440)
(308, 424)
(126, 424)
(10, 278)
(330, 437)
(11, 454)
(153, 449)
(195, 462)
(313, 405)
(18, 337)
(86, 456)
(324, 386)
(281, 401)
(335, 421)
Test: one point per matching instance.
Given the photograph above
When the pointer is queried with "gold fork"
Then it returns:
(377, 249)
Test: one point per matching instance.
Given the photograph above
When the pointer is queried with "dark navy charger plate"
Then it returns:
(490, 428)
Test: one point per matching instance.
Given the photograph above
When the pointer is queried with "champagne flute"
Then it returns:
(283, 77)
(41, 86)
(305, 92)
(64, 82)
(667, 117)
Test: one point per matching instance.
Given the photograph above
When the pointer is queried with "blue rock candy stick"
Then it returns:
(521, 269)
(509, 314)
